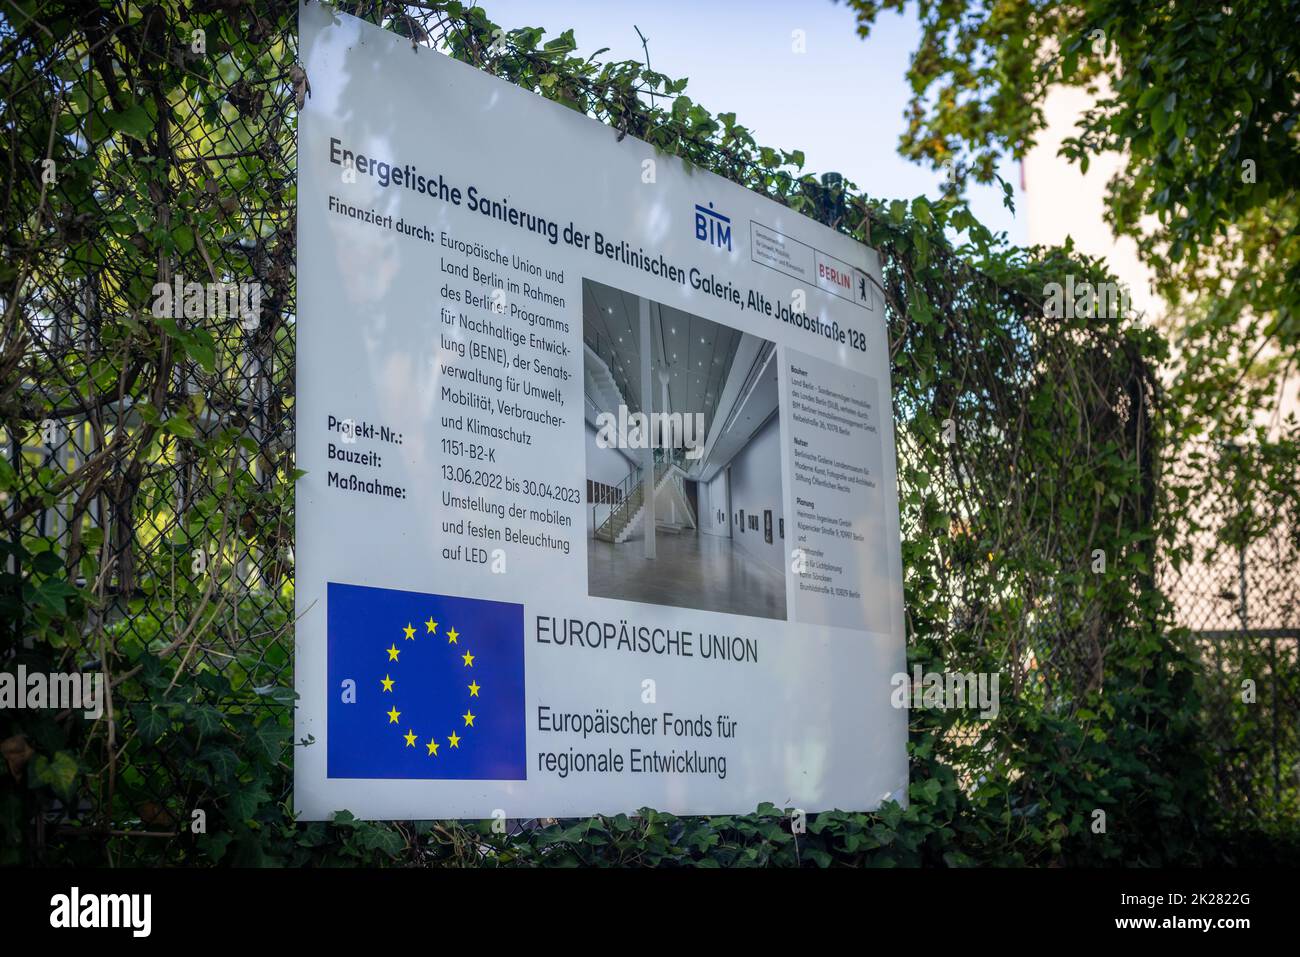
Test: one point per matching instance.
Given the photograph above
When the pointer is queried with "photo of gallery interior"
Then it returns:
(712, 534)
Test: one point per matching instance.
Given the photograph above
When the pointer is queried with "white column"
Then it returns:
(648, 453)
(665, 437)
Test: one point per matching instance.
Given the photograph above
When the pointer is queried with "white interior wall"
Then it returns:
(712, 497)
(755, 486)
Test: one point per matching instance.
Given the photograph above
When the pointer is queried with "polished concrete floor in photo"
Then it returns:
(689, 571)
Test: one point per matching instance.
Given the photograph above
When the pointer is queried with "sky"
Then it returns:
(841, 101)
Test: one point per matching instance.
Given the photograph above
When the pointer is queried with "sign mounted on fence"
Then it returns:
(600, 509)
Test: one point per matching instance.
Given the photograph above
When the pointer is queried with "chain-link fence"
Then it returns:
(147, 397)
(1238, 594)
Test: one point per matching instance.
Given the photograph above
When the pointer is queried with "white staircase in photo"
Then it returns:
(628, 516)
(601, 387)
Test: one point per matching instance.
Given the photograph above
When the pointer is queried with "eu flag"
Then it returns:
(437, 686)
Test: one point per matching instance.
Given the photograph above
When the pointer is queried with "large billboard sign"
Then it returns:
(599, 508)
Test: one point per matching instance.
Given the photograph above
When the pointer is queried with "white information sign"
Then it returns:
(599, 508)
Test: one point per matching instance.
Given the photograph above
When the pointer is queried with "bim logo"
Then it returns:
(712, 227)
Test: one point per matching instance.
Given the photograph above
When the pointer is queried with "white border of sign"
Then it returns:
(818, 728)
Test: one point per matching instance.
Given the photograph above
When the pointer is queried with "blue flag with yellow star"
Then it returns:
(437, 686)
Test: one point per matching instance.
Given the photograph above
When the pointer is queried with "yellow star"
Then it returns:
(393, 653)
(469, 717)
(468, 659)
(410, 739)
(410, 632)
(454, 739)
(430, 626)
(387, 682)
(473, 689)
(433, 747)
(452, 636)
(393, 715)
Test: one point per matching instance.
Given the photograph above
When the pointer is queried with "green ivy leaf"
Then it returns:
(59, 774)
(134, 121)
(150, 722)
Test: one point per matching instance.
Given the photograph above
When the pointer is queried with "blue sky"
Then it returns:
(841, 102)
